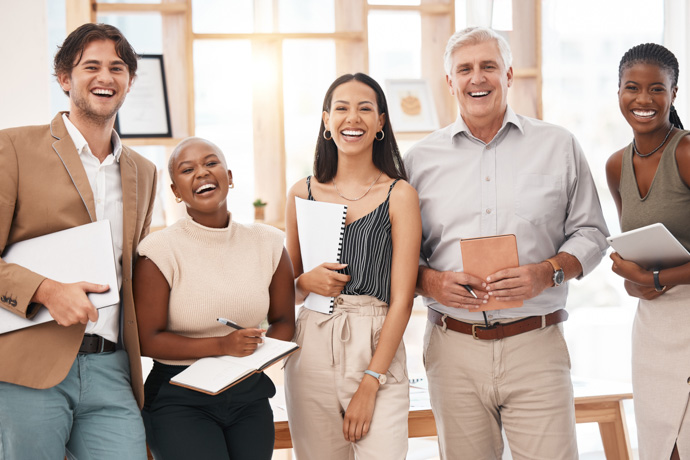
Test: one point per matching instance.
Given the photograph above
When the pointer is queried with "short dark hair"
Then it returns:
(385, 154)
(651, 53)
(73, 47)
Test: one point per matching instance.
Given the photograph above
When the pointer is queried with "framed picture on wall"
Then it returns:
(145, 112)
(411, 105)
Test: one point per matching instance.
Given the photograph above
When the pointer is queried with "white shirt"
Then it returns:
(531, 180)
(106, 185)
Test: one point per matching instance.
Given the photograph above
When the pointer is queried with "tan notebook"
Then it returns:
(486, 255)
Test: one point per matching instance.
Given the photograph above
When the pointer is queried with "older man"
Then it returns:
(68, 387)
(494, 172)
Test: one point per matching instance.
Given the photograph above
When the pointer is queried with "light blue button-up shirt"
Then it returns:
(531, 180)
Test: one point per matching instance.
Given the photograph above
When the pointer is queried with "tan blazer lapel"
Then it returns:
(128, 173)
(65, 149)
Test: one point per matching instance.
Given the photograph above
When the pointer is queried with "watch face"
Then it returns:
(382, 378)
(558, 277)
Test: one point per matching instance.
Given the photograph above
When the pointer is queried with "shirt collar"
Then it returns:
(80, 143)
(510, 117)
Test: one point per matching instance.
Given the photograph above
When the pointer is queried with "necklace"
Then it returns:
(645, 155)
(359, 197)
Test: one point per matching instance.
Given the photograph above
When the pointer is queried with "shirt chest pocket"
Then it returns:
(538, 197)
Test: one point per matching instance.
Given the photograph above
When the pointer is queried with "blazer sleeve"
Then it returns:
(17, 284)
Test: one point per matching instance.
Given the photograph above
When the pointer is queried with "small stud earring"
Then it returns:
(178, 199)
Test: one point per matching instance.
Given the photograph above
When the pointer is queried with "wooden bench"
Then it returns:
(595, 402)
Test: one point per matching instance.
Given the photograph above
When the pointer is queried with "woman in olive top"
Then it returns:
(650, 182)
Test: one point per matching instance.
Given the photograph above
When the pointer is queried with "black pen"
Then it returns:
(469, 289)
(227, 322)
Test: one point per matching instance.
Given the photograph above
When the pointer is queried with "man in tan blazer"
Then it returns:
(71, 386)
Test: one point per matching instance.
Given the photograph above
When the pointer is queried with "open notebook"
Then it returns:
(320, 226)
(218, 373)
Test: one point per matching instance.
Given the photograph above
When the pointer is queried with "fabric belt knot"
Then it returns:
(337, 320)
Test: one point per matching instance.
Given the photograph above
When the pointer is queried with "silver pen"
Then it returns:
(227, 322)
(470, 290)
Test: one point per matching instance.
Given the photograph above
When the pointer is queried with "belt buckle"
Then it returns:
(474, 331)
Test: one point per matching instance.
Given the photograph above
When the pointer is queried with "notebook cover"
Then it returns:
(320, 227)
(486, 255)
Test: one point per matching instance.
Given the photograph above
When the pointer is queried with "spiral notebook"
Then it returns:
(320, 226)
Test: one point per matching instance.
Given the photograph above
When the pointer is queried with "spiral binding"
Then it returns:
(340, 246)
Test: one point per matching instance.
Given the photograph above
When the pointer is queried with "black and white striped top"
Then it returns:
(368, 251)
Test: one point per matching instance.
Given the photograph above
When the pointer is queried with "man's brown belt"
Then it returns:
(497, 330)
(96, 344)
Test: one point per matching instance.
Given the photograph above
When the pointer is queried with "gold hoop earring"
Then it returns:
(178, 199)
(382, 135)
(329, 135)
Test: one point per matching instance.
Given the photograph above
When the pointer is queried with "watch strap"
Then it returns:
(554, 263)
(558, 275)
(657, 284)
(376, 375)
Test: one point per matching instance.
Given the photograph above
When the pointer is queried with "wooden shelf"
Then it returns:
(426, 8)
(347, 36)
(129, 8)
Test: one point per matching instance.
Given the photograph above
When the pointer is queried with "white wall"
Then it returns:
(676, 35)
(26, 71)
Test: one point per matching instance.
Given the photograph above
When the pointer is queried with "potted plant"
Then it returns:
(259, 208)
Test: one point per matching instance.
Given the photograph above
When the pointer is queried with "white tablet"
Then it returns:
(652, 246)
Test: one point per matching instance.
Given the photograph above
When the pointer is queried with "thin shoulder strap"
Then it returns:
(391, 188)
(309, 197)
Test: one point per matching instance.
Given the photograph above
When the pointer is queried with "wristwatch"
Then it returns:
(558, 275)
(380, 377)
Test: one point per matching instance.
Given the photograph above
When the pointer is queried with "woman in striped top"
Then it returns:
(347, 388)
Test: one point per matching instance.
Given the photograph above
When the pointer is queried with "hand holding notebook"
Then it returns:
(320, 226)
(485, 256)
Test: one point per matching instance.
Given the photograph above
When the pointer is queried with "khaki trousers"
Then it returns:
(322, 377)
(521, 383)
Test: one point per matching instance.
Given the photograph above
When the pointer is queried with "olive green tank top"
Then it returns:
(668, 199)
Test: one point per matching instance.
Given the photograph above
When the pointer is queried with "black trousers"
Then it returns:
(236, 424)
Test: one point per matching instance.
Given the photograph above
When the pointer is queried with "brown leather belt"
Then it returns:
(497, 330)
(96, 344)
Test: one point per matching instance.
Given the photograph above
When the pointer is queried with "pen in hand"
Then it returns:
(467, 287)
(233, 325)
(227, 322)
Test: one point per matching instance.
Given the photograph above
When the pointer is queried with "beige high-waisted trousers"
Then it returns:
(322, 377)
(519, 383)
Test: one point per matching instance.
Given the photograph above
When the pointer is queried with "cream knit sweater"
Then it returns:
(214, 272)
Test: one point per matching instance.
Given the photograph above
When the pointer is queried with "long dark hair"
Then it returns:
(385, 154)
(651, 53)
